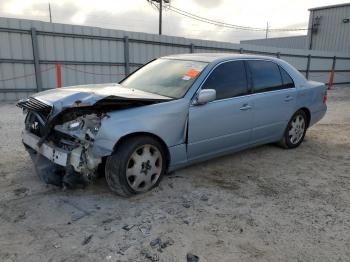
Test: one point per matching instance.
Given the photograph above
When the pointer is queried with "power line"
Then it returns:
(233, 26)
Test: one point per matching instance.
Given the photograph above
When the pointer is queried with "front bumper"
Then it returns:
(54, 154)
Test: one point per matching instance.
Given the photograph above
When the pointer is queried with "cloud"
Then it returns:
(138, 15)
(209, 3)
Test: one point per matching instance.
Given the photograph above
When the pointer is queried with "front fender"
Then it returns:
(165, 120)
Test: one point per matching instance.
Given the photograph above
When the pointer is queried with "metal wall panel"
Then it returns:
(294, 42)
(332, 33)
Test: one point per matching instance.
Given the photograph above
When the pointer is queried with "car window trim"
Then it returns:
(248, 95)
(251, 87)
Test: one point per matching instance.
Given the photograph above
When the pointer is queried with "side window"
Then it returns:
(265, 76)
(228, 79)
(286, 79)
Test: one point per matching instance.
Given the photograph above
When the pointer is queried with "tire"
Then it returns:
(295, 131)
(137, 166)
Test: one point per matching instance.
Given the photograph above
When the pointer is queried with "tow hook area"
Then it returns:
(52, 174)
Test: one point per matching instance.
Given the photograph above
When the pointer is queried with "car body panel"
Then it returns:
(165, 120)
(204, 136)
(272, 111)
(88, 95)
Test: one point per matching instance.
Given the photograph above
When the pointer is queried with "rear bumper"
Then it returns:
(317, 116)
(52, 153)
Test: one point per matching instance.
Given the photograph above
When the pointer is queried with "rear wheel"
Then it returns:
(136, 167)
(295, 131)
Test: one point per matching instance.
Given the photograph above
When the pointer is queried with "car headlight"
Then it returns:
(75, 125)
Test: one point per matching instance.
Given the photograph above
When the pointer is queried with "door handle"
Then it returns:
(245, 107)
(288, 98)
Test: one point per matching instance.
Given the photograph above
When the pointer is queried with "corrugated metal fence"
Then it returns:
(30, 50)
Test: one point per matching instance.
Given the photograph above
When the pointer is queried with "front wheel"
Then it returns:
(136, 167)
(295, 131)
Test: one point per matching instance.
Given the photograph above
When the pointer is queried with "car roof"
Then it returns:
(216, 57)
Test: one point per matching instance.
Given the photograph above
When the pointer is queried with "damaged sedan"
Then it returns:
(172, 112)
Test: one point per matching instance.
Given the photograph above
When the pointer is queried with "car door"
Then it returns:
(226, 123)
(273, 100)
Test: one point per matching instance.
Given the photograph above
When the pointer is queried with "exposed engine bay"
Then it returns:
(66, 137)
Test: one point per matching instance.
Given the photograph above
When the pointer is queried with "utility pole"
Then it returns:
(50, 13)
(267, 29)
(160, 8)
(160, 16)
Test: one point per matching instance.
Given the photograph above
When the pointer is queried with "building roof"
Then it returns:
(329, 7)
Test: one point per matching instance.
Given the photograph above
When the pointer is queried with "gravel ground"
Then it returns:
(262, 204)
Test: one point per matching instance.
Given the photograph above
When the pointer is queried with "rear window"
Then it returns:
(265, 76)
(286, 79)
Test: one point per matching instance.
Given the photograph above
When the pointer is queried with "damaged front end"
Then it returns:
(61, 146)
(61, 140)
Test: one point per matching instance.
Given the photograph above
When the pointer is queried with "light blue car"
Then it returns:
(174, 111)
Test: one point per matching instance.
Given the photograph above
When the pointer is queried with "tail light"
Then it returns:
(325, 97)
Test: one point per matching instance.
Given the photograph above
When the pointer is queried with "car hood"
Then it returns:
(88, 95)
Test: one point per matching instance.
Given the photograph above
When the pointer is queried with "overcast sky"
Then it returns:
(139, 15)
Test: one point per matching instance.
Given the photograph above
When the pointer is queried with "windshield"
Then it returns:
(166, 77)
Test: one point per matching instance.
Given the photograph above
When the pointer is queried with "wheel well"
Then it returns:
(308, 115)
(165, 147)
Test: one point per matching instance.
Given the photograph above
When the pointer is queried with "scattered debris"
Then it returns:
(20, 217)
(166, 243)
(204, 197)
(108, 220)
(20, 191)
(87, 240)
(161, 244)
(122, 249)
(171, 185)
(145, 229)
(78, 216)
(56, 245)
(186, 205)
(128, 227)
(149, 256)
(155, 242)
(192, 258)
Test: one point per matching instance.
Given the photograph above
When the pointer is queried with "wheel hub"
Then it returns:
(145, 167)
(296, 130)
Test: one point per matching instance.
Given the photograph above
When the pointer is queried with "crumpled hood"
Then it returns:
(87, 95)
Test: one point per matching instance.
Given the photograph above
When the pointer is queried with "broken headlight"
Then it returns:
(74, 125)
(84, 127)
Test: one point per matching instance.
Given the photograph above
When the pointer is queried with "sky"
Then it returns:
(141, 16)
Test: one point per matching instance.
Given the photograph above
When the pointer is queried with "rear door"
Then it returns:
(273, 100)
(225, 123)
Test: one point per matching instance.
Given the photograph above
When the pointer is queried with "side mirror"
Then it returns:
(205, 96)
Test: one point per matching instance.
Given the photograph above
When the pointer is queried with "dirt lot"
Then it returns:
(263, 204)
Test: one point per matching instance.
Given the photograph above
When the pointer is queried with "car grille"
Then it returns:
(33, 104)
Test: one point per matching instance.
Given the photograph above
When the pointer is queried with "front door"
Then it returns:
(226, 123)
